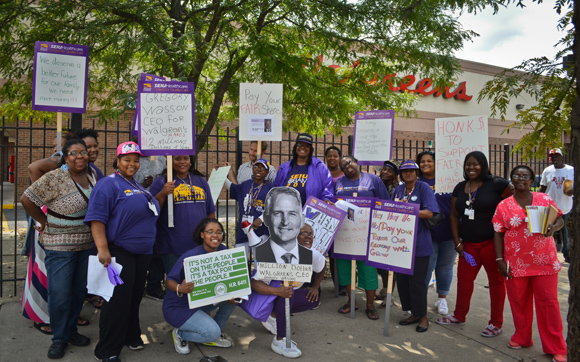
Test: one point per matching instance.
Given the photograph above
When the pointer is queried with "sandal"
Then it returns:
(345, 309)
(40, 327)
(96, 301)
(83, 322)
(372, 314)
(491, 331)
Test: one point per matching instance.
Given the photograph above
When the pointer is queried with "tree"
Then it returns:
(554, 85)
(216, 44)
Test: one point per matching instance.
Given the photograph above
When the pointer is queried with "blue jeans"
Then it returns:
(201, 328)
(442, 261)
(565, 237)
(66, 272)
(169, 261)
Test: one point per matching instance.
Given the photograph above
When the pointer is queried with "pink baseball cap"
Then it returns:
(126, 148)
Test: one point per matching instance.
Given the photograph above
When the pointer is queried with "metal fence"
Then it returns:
(27, 142)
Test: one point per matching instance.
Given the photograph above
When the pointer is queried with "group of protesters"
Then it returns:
(79, 212)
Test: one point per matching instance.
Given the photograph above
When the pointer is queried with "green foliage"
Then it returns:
(549, 82)
(219, 44)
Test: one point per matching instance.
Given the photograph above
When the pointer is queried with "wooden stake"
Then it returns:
(287, 312)
(353, 281)
(170, 196)
(388, 304)
(58, 131)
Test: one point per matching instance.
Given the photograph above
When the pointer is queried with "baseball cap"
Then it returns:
(392, 165)
(305, 137)
(126, 148)
(556, 151)
(408, 165)
(263, 162)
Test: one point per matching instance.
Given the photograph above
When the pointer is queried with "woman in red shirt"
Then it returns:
(530, 263)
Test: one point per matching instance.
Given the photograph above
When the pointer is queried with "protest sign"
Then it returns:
(392, 236)
(351, 239)
(59, 78)
(325, 221)
(373, 137)
(218, 276)
(166, 118)
(148, 78)
(284, 272)
(260, 112)
(454, 138)
(216, 181)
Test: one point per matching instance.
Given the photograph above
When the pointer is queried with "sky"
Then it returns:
(512, 35)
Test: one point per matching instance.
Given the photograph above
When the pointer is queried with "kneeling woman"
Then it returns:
(196, 325)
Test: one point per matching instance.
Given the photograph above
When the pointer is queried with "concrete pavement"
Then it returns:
(322, 335)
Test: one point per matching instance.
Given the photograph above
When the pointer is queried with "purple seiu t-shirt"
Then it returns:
(176, 309)
(297, 178)
(443, 231)
(256, 207)
(125, 211)
(192, 202)
(422, 195)
(368, 185)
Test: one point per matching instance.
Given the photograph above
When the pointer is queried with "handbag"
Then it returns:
(436, 220)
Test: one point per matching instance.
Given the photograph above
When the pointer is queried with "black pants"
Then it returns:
(412, 288)
(155, 275)
(119, 321)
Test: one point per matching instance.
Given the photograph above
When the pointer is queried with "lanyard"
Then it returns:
(471, 200)
(190, 184)
(138, 187)
(253, 196)
(407, 195)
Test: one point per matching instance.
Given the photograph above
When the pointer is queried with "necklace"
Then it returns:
(471, 200)
(253, 196)
(407, 195)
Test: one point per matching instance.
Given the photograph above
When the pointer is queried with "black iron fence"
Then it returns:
(24, 142)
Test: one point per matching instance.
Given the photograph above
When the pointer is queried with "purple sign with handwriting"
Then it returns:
(391, 239)
(325, 221)
(149, 78)
(166, 118)
(373, 137)
(351, 239)
(60, 77)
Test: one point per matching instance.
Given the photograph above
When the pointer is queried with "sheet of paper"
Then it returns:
(216, 181)
(535, 218)
(98, 282)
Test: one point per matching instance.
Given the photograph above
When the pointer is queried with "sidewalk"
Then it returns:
(322, 335)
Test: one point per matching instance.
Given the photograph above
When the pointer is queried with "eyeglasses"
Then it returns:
(211, 232)
(75, 153)
(522, 177)
(305, 234)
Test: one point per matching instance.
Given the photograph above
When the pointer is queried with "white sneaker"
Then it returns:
(180, 344)
(279, 346)
(270, 325)
(221, 342)
(441, 305)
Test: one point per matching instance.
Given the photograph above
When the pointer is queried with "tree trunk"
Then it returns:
(573, 340)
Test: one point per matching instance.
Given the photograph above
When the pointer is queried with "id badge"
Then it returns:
(471, 214)
(153, 208)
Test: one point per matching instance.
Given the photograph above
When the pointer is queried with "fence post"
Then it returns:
(506, 161)
(350, 140)
(238, 148)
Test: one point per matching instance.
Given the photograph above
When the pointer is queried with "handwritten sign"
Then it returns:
(218, 276)
(166, 118)
(454, 138)
(261, 112)
(351, 239)
(216, 181)
(284, 272)
(325, 221)
(392, 236)
(60, 76)
(148, 78)
(373, 136)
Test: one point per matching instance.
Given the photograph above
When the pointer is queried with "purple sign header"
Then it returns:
(60, 77)
(166, 118)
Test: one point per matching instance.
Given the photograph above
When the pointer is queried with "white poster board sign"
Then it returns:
(285, 272)
(351, 240)
(373, 136)
(261, 112)
(216, 181)
(454, 139)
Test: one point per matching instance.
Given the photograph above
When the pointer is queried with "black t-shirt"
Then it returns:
(486, 200)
